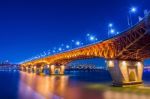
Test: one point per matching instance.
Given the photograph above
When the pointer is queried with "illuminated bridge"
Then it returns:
(124, 54)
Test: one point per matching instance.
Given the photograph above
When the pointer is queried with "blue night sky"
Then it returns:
(29, 27)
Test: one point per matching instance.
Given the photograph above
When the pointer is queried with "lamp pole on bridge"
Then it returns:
(109, 28)
(130, 21)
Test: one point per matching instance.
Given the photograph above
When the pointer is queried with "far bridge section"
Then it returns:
(124, 54)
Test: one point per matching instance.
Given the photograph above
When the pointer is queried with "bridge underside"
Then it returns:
(138, 50)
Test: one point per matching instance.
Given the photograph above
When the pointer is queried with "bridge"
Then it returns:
(124, 53)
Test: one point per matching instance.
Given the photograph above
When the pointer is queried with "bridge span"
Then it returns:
(124, 53)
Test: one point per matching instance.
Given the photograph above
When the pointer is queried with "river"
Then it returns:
(76, 85)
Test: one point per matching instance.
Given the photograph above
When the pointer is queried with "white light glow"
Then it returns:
(88, 34)
(111, 63)
(123, 63)
(133, 9)
(92, 38)
(110, 25)
(112, 31)
(60, 49)
(54, 51)
(78, 43)
(67, 46)
(139, 64)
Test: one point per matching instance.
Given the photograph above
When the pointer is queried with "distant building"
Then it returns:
(6, 65)
(146, 68)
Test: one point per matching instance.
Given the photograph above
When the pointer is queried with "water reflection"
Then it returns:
(49, 87)
(33, 86)
(120, 95)
(53, 87)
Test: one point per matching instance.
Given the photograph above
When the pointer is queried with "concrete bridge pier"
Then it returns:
(40, 70)
(29, 69)
(34, 69)
(46, 69)
(54, 70)
(24, 69)
(62, 69)
(37, 70)
(21, 68)
(125, 72)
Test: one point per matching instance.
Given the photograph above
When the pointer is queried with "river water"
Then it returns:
(85, 85)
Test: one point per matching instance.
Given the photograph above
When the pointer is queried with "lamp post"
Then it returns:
(110, 25)
(132, 10)
(77, 43)
(91, 38)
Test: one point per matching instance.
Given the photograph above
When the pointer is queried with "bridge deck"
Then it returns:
(133, 44)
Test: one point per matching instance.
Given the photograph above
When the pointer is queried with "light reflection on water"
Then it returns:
(33, 86)
(52, 87)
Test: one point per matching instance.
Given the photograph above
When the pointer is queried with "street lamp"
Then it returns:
(110, 25)
(49, 52)
(67, 46)
(132, 10)
(112, 31)
(53, 51)
(91, 38)
(77, 43)
(117, 32)
(88, 34)
(60, 49)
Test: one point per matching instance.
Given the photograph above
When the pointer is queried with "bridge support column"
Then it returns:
(34, 69)
(57, 69)
(62, 69)
(21, 68)
(24, 69)
(41, 69)
(125, 72)
(52, 69)
(30, 70)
